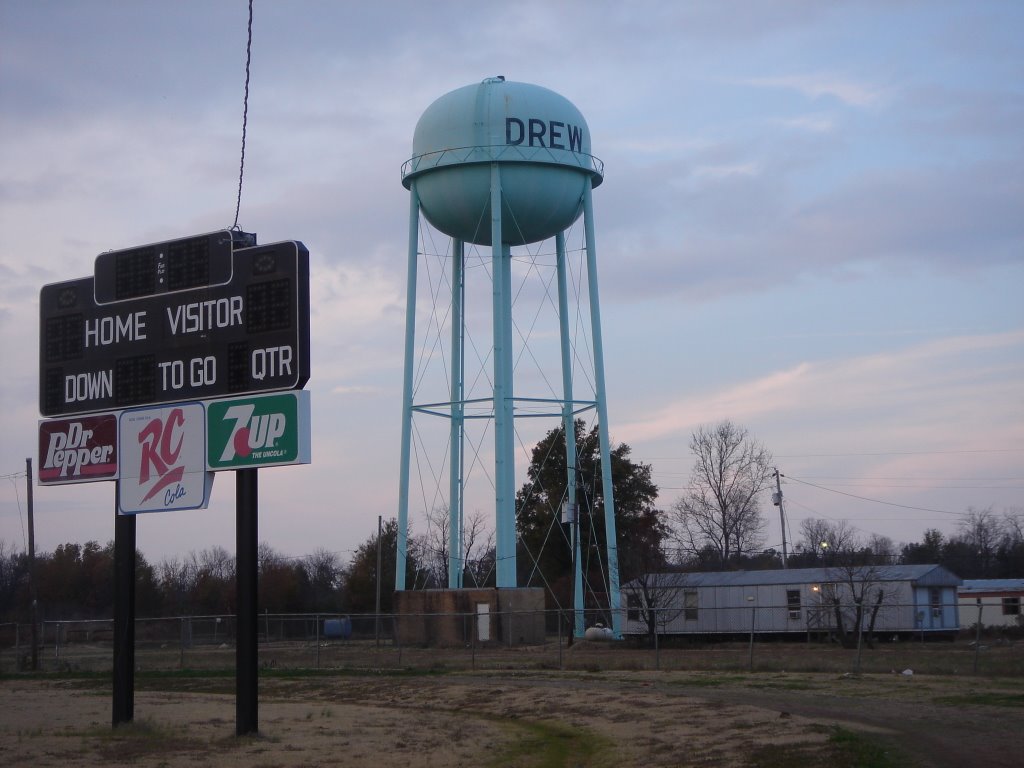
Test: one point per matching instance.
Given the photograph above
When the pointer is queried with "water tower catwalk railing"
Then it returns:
(491, 203)
(497, 153)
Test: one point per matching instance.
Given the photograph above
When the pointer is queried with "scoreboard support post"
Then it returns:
(247, 584)
(124, 617)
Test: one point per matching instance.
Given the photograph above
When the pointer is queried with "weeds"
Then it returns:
(991, 699)
(844, 749)
(552, 745)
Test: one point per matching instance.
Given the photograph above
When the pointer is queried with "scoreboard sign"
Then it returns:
(78, 450)
(194, 319)
(163, 459)
(261, 431)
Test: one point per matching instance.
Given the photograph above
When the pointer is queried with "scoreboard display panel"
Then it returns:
(190, 319)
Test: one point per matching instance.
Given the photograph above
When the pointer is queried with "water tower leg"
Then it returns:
(602, 415)
(504, 435)
(569, 427)
(455, 562)
(410, 346)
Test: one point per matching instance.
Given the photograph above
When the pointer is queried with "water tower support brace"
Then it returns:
(614, 598)
(410, 347)
(456, 564)
(504, 432)
(569, 428)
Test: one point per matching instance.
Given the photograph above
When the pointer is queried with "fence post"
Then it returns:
(657, 645)
(559, 622)
(318, 641)
(753, 617)
(859, 601)
(977, 638)
(396, 639)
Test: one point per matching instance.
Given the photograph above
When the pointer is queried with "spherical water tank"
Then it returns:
(540, 140)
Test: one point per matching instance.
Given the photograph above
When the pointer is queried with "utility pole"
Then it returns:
(32, 568)
(777, 501)
(376, 617)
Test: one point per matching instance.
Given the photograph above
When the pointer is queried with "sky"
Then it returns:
(811, 223)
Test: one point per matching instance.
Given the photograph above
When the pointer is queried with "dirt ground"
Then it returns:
(517, 718)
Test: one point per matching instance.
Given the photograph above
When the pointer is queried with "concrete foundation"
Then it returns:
(460, 617)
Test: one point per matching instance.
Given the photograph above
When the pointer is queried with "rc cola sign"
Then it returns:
(163, 459)
(258, 431)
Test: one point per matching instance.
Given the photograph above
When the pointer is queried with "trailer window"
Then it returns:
(633, 606)
(793, 603)
(935, 598)
(690, 605)
(1011, 606)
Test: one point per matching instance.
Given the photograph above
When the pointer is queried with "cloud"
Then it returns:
(811, 123)
(725, 171)
(816, 86)
(910, 388)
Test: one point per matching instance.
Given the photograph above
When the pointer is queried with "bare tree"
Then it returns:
(324, 574)
(856, 594)
(656, 600)
(882, 548)
(477, 539)
(177, 578)
(721, 508)
(266, 556)
(827, 541)
(9, 572)
(1013, 524)
(983, 532)
(216, 562)
(477, 548)
(435, 546)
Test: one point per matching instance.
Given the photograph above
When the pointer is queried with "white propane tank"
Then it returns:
(598, 632)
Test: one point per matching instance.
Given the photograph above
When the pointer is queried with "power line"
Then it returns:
(245, 118)
(904, 477)
(897, 453)
(847, 455)
(935, 487)
(17, 498)
(874, 501)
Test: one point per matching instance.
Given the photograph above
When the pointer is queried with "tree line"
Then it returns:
(718, 523)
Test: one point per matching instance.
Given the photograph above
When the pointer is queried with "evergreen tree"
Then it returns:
(545, 553)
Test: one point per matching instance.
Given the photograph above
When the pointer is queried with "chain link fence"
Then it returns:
(748, 639)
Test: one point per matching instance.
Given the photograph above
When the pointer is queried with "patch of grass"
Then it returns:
(861, 751)
(708, 681)
(991, 699)
(140, 739)
(552, 745)
(844, 749)
(788, 685)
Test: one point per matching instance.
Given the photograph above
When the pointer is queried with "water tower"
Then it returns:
(503, 165)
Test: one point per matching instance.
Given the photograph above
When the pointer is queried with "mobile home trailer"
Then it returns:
(896, 599)
(997, 601)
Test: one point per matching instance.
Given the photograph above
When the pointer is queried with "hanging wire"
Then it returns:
(245, 118)
(17, 498)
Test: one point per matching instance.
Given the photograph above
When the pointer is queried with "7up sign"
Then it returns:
(259, 431)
